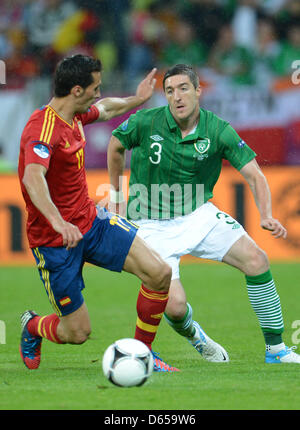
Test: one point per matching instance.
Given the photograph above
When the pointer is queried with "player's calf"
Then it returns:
(177, 305)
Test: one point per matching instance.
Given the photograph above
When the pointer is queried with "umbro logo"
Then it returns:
(156, 137)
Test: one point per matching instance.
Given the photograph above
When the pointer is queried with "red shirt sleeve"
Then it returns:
(90, 116)
(37, 152)
(38, 139)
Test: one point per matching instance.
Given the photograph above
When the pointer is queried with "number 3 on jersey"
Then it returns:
(80, 158)
(156, 155)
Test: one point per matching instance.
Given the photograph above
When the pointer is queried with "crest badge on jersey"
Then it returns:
(202, 145)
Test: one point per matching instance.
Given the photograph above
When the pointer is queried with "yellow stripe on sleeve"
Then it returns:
(51, 128)
(44, 124)
(48, 125)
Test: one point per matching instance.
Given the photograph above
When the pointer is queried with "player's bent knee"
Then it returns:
(78, 337)
(148, 265)
(75, 328)
(74, 333)
(176, 309)
(262, 261)
(258, 262)
(162, 277)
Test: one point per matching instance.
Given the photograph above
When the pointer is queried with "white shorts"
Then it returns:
(205, 233)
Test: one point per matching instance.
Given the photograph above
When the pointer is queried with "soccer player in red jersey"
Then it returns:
(64, 227)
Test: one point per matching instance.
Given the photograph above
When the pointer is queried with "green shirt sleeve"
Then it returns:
(128, 132)
(234, 148)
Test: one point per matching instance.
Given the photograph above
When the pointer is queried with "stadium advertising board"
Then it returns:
(232, 195)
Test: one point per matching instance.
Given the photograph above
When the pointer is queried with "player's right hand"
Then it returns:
(71, 234)
(146, 86)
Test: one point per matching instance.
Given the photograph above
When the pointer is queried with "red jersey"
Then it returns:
(49, 140)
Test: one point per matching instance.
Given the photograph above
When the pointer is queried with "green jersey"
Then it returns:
(171, 176)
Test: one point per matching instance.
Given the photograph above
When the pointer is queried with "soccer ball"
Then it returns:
(127, 363)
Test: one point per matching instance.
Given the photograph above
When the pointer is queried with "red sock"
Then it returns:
(150, 309)
(45, 327)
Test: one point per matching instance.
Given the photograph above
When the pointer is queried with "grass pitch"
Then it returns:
(70, 376)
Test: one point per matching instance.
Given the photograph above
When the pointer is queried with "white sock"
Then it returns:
(275, 348)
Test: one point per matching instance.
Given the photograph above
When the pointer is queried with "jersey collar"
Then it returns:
(54, 111)
(200, 130)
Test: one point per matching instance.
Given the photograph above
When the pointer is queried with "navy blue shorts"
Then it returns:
(106, 244)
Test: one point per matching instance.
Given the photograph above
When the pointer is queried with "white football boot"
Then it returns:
(285, 355)
(208, 348)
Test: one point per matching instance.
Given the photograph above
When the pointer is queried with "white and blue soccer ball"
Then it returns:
(127, 363)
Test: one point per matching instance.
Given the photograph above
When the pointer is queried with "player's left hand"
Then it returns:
(146, 87)
(274, 226)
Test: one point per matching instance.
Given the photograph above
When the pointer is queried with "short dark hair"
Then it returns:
(74, 70)
(182, 69)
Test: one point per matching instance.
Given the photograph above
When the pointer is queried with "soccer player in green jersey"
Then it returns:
(177, 153)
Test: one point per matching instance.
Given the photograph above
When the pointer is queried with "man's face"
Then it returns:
(86, 97)
(182, 96)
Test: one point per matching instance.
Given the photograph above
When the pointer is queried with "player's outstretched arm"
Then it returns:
(38, 191)
(111, 107)
(262, 195)
(115, 165)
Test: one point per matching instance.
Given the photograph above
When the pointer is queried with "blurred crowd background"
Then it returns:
(238, 46)
(235, 38)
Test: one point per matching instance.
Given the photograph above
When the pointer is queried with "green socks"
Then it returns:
(266, 304)
(184, 327)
